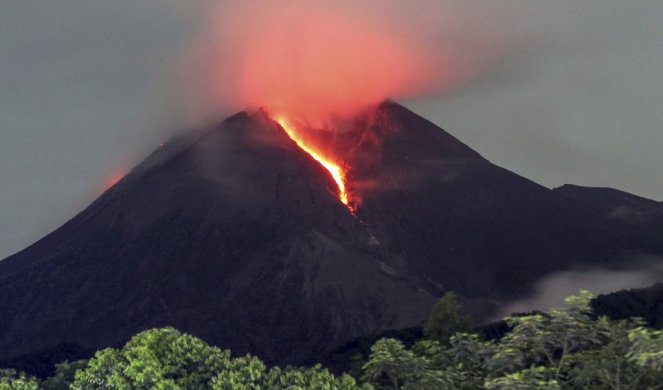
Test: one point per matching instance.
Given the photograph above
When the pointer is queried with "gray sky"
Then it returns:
(83, 85)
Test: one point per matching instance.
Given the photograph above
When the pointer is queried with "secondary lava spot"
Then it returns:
(112, 179)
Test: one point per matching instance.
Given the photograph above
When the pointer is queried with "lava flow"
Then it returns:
(335, 170)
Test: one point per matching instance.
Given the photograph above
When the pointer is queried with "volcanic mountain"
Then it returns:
(238, 236)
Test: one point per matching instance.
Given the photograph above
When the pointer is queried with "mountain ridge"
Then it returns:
(237, 236)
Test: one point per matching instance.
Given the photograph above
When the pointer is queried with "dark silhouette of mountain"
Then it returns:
(465, 223)
(611, 202)
(640, 218)
(646, 303)
(237, 236)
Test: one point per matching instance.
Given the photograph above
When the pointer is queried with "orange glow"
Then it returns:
(322, 60)
(112, 179)
(335, 170)
(316, 61)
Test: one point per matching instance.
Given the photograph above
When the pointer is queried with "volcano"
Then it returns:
(238, 236)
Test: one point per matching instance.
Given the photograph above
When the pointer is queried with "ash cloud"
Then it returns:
(325, 59)
(552, 289)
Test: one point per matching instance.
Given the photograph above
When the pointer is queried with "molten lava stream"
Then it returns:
(336, 171)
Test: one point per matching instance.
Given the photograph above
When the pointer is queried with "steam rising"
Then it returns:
(320, 60)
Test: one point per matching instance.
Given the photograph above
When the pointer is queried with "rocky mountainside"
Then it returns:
(237, 236)
(640, 218)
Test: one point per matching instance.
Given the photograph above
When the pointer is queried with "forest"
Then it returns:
(569, 347)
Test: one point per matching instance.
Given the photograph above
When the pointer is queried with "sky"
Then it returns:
(86, 91)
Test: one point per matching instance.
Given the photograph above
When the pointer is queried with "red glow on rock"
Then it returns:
(321, 63)
(113, 178)
(335, 169)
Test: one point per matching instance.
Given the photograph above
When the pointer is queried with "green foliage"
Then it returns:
(357, 362)
(548, 340)
(64, 375)
(157, 358)
(646, 348)
(390, 361)
(316, 378)
(566, 348)
(11, 380)
(104, 371)
(244, 373)
(527, 379)
(249, 373)
(464, 361)
(609, 367)
(167, 359)
(445, 320)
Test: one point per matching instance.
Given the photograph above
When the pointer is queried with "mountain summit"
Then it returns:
(237, 235)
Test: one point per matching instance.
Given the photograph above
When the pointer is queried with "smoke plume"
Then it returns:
(320, 60)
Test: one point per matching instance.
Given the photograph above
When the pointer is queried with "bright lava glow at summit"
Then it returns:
(335, 170)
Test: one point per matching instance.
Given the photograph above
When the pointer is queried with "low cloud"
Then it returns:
(552, 289)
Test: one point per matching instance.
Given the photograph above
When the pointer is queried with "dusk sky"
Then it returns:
(87, 90)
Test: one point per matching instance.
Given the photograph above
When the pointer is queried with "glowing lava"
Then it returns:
(112, 179)
(335, 170)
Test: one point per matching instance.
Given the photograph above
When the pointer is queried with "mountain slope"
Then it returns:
(237, 236)
(640, 218)
(467, 224)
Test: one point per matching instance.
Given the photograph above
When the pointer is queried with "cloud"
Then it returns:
(552, 289)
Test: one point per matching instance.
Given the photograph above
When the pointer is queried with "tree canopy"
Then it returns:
(566, 348)
(445, 319)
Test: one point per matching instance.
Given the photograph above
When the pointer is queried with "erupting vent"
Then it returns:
(335, 170)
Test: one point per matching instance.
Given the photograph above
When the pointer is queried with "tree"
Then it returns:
(65, 373)
(104, 371)
(609, 367)
(646, 348)
(533, 378)
(566, 348)
(548, 340)
(314, 378)
(445, 319)
(389, 358)
(249, 373)
(157, 358)
(167, 359)
(11, 380)
(464, 361)
(244, 373)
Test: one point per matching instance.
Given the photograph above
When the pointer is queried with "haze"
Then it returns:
(559, 92)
